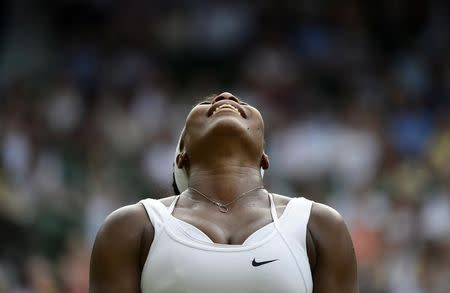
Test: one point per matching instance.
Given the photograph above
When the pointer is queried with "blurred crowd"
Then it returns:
(355, 97)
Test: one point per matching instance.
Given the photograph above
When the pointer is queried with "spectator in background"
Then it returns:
(375, 73)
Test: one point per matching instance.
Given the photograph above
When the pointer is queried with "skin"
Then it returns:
(223, 169)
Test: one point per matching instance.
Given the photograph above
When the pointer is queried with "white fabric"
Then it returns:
(184, 259)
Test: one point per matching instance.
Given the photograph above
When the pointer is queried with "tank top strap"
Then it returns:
(157, 212)
(295, 218)
(273, 210)
(173, 204)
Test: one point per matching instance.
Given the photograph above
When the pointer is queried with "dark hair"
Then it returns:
(174, 185)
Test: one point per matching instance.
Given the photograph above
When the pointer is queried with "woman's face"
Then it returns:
(224, 120)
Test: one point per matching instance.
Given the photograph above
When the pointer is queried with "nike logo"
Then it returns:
(257, 264)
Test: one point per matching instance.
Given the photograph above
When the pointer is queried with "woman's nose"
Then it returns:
(225, 96)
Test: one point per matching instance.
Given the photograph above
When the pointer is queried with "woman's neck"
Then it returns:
(225, 183)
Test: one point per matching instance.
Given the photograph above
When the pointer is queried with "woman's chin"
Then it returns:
(232, 126)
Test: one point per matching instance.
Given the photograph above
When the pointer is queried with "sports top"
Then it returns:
(182, 258)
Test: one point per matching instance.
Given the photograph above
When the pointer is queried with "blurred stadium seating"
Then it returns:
(355, 96)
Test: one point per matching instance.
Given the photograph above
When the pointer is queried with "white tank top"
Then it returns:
(184, 259)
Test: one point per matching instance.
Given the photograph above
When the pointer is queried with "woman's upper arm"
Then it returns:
(335, 263)
(116, 256)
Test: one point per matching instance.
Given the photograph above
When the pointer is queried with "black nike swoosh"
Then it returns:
(257, 264)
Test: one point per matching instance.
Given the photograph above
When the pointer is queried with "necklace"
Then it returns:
(223, 207)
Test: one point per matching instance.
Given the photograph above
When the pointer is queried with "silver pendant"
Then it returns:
(222, 208)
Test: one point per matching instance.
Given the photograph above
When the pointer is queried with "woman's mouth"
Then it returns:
(225, 107)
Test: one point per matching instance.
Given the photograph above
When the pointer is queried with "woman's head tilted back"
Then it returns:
(220, 132)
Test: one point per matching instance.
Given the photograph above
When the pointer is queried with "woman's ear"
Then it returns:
(182, 160)
(265, 162)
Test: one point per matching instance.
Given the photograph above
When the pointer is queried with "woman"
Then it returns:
(224, 232)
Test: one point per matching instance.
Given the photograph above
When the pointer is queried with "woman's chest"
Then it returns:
(225, 228)
(185, 266)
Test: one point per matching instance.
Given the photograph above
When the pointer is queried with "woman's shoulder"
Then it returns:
(122, 231)
(323, 214)
(125, 219)
(133, 214)
(325, 219)
(125, 233)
